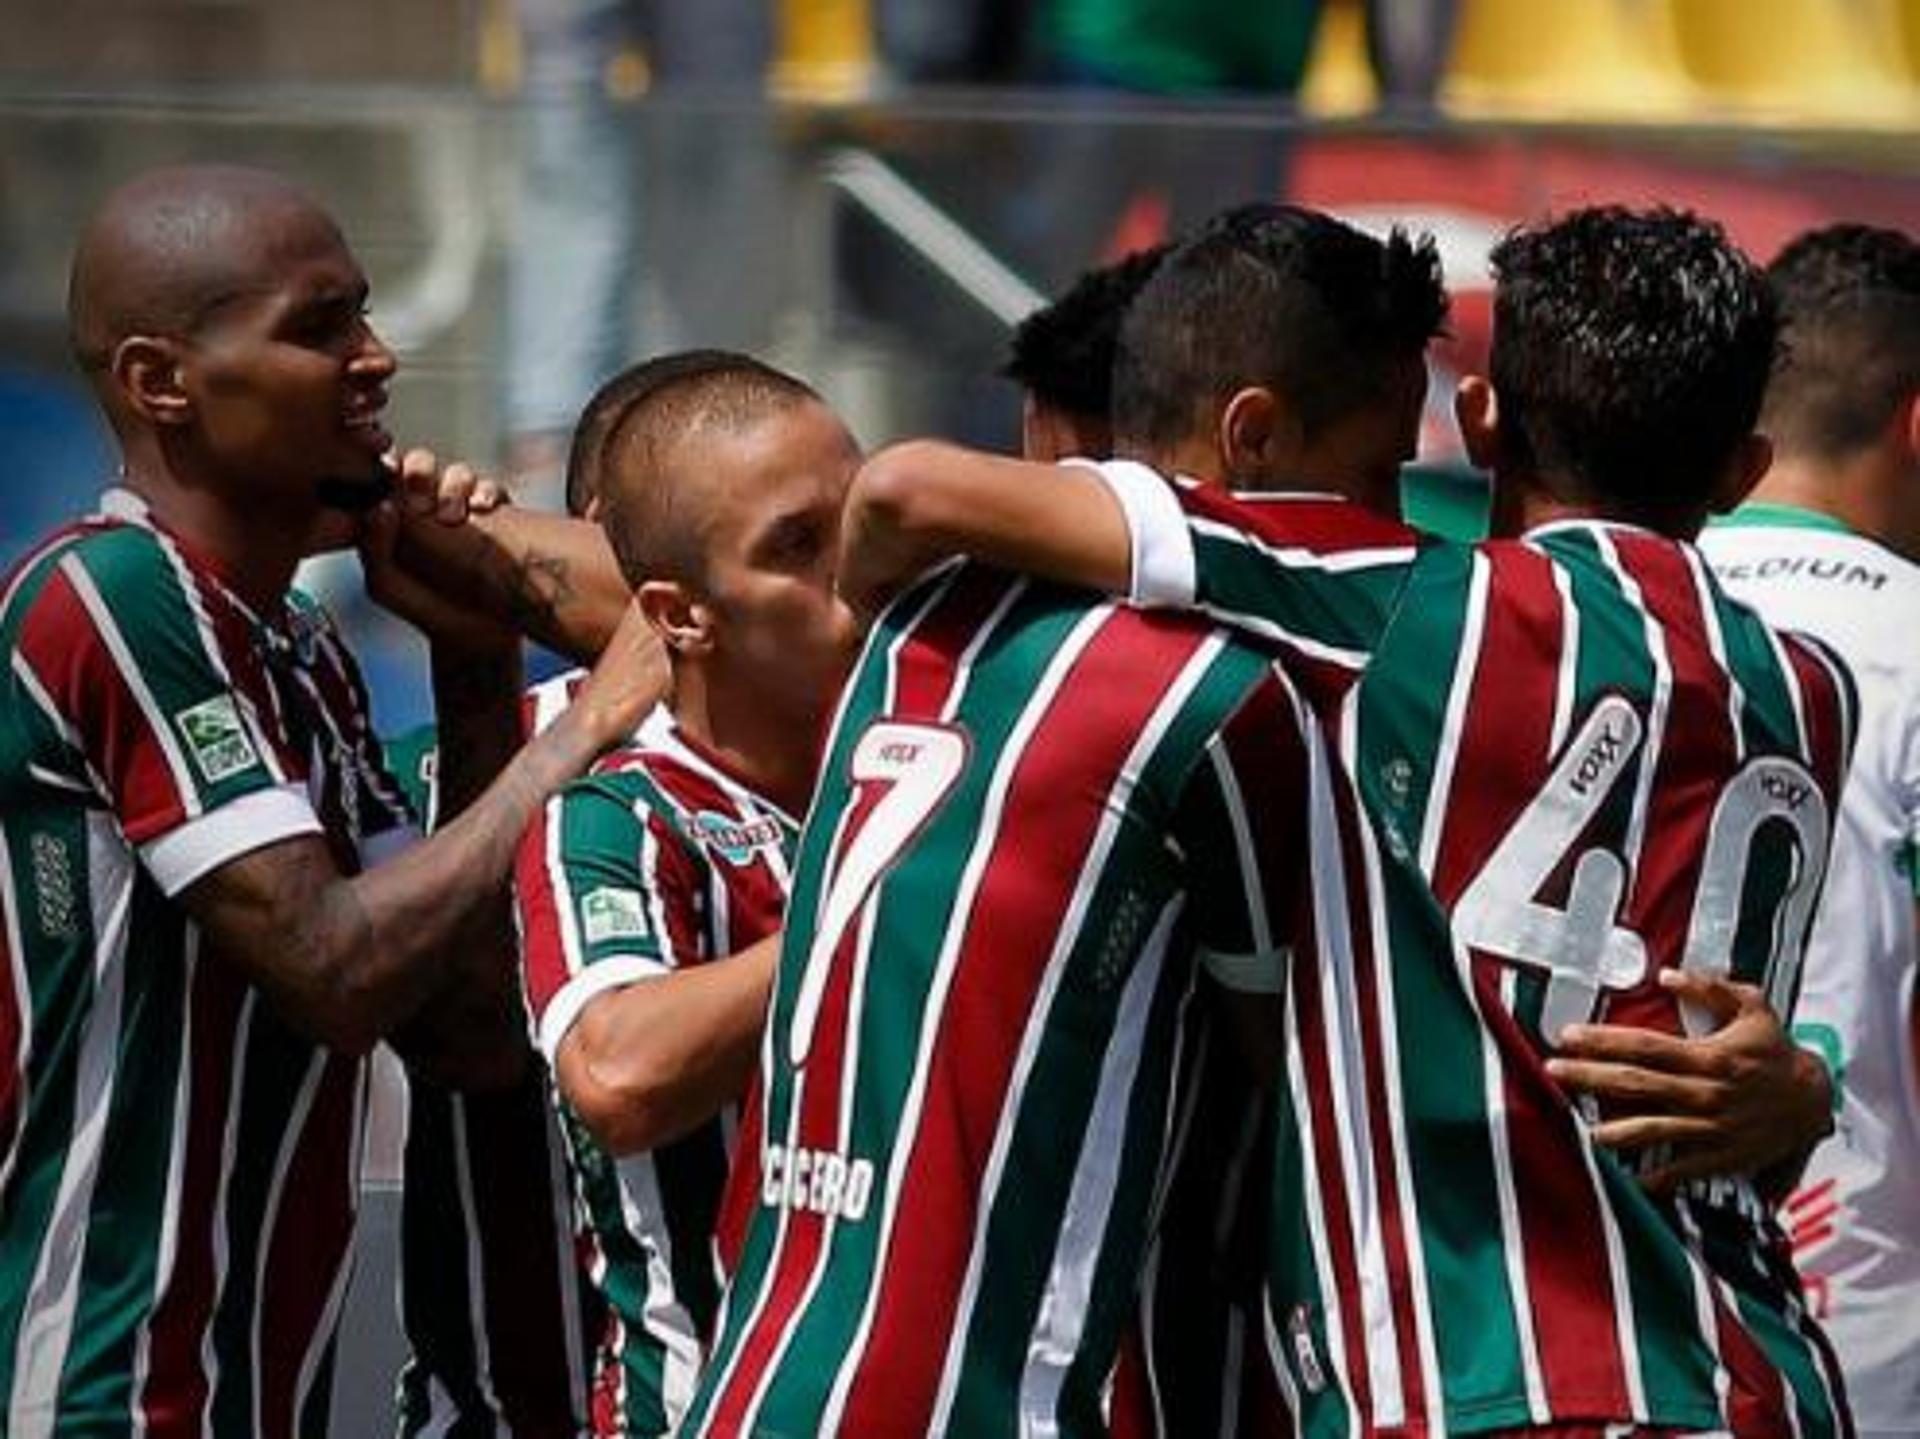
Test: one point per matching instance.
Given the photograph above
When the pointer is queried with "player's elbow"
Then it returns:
(627, 1100)
(898, 493)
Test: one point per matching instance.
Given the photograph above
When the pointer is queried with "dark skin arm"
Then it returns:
(1744, 1099)
(915, 504)
(347, 961)
(651, 1061)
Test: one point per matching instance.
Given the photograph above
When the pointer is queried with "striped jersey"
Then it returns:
(499, 1315)
(657, 860)
(1035, 812)
(1855, 1221)
(178, 1167)
(1575, 763)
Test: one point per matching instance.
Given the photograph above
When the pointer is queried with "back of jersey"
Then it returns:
(1581, 765)
(974, 1036)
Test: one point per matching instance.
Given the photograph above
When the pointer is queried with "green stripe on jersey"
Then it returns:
(1023, 1227)
(55, 940)
(118, 1275)
(1346, 609)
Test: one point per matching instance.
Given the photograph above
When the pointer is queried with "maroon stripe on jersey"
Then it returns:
(1079, 747)
(543, 953)
(1699, 739)
(1758, 1398)
(924, 667)
(70, 658)
(1506, 734)
(1315, 525)
(1505, 753)
(1130, 1407)
(234, 640)
(742, 1189)
(1380, 1088)
(175, 1396)
(14, 1007)
(313, 1227)
(1823, 705)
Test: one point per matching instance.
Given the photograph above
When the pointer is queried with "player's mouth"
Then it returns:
(364, 422)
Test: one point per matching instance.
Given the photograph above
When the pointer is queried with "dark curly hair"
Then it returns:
(1062, 354)
(1274, 295)
(1631, 349)
(1849, 299)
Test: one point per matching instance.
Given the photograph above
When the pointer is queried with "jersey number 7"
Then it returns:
(914, 767)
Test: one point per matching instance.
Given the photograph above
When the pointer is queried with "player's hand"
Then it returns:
(402, 578)
(1740, 1100)
(446, 494)
(630, 677)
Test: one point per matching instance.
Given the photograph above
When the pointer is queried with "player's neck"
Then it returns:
(759, 744)
(255, 554)
(1865, 493)
(1521, 506)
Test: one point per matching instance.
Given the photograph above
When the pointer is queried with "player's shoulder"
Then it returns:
(1310, 521)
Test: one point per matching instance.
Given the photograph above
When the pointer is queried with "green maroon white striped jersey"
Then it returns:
(1579, 764)
(180, 1168)
(1036, 810)
(499, 1315)
(657, 860)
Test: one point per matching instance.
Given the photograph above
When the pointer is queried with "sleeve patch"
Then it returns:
(608, 914)
(216, 738)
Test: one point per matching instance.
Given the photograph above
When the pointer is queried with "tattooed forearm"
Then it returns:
(540, 587)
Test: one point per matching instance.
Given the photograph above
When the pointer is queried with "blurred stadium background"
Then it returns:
(891, 192)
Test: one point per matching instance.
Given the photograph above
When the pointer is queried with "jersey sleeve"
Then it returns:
(1318, 573)
(606, 896)
(119, 657)
(1240, 828)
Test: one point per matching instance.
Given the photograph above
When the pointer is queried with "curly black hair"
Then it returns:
(1062, 354)
(1631, 349)
(1280, 296)
(1849, 299)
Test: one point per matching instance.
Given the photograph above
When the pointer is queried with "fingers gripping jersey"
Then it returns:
(1578, 763)
(656, 861)
(499, 1315)
(968, 1073)
(178, 1168)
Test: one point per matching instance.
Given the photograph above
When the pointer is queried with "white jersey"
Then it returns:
(1856, 1218)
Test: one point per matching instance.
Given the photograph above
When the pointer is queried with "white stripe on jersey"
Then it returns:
(62, 726)
(136, 683)
(327, 1328)
(23, 998)
(476, 1276)
(644, 1212)
(46, 1320)
(1061, 1323)
(1657, 707)
(1387, 1017)
(1340, 1025)
(563, 910)
(1717, 647)
(946, 963)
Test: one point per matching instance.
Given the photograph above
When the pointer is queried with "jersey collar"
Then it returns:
(1783, 517)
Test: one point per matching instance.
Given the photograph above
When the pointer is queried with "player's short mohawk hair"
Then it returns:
(1280, 296)
(1062, 354)
(586, 455)
(1849, 300)
(1630, 352)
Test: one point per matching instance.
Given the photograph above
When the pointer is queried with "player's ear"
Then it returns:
(1750, 460)
(1476, 409)
(685, 625)
(147, 370)
(1257, 435)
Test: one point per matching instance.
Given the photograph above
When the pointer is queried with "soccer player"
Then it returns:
(643, 886)
(1037, 812)
(1830, 544)
(1581, 768)
(1062, 359)
(203, 929)
(501, 1317)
